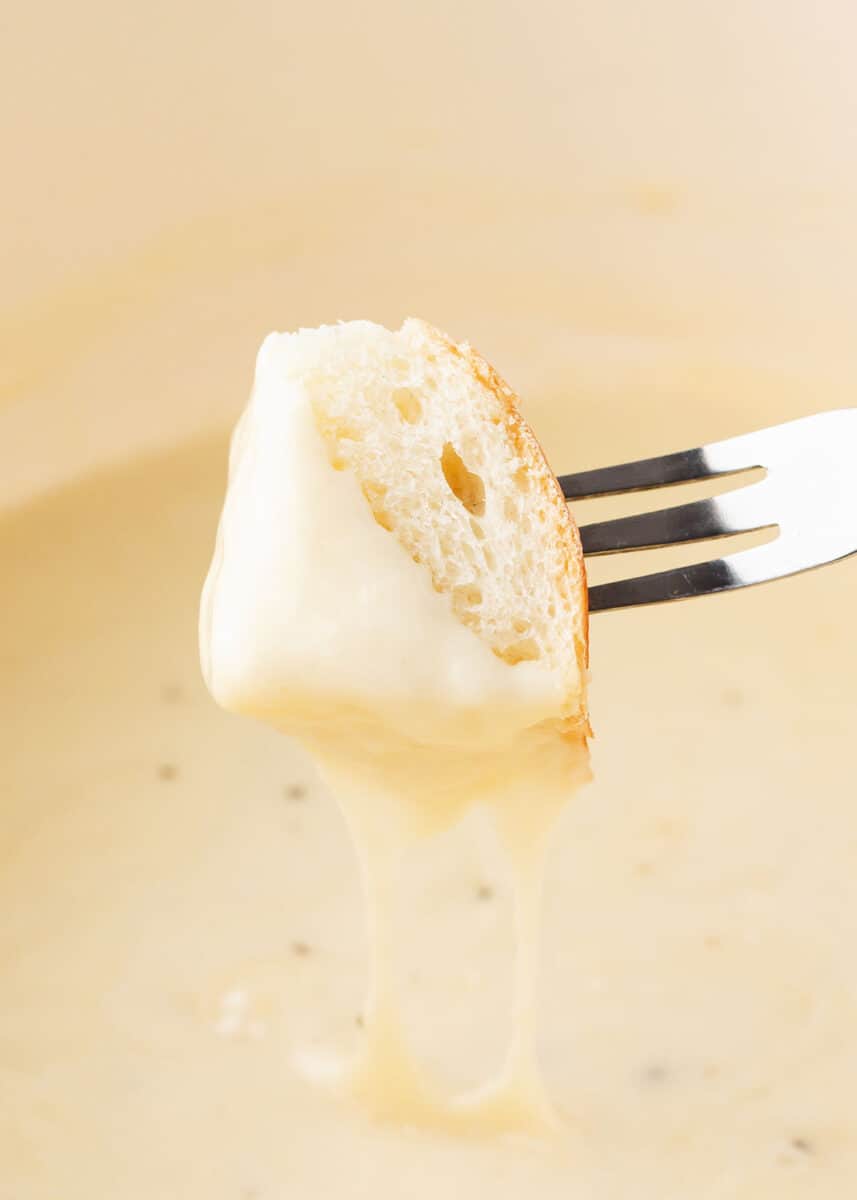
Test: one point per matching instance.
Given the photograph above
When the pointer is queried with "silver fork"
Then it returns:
(809, 494)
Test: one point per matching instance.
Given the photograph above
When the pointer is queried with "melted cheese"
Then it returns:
(315, 620)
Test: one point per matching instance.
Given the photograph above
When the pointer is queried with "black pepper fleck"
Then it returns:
(301, 949)
(295, 792)
(359, 1022)
(484, 892)
(802, 1145)
(654, 1073)
(167, 772)
(795, 1150)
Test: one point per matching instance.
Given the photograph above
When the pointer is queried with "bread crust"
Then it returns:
(531, 452)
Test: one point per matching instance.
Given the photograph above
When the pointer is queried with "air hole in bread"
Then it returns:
(526, 650)
(476, 529)
(408, 405)
(520, 626)
(464, 485)
(375, 494)
(467, 594)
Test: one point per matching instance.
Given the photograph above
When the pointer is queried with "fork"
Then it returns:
(809, 494)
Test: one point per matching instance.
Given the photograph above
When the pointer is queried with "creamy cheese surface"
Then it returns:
(314, 619)
(184, 943)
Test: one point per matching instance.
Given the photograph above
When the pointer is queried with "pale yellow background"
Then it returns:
(547, 179)
(643, 213)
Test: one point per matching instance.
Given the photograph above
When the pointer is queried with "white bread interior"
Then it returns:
(451, 469)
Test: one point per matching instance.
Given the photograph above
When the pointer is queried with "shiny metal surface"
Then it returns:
(809, 494)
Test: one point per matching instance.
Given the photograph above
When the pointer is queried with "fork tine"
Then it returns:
(714, 461)
(678, 584)
(738, 512)
(663, 471)
(748, 567)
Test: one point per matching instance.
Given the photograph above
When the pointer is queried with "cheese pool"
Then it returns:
(184, 937)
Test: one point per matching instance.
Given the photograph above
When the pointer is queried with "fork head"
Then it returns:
(809, 494)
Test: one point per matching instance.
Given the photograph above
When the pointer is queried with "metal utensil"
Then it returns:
(809, 494)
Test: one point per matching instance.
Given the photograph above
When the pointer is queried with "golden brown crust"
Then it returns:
(531, 452)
